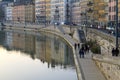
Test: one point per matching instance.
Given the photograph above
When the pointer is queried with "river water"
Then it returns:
(35, 56)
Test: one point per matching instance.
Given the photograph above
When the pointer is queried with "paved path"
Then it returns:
(89, 69)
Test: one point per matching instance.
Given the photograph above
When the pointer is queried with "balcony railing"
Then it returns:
(102, 4)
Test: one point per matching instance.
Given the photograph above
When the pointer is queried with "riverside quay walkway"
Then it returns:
(85, 67)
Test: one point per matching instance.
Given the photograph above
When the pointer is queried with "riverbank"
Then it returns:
(57, 31)
(81, 68)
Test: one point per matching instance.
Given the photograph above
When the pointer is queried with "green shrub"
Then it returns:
(94, 47)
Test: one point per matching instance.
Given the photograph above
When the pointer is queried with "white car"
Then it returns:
(110, 28)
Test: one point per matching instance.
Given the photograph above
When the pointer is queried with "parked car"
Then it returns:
(110, 28)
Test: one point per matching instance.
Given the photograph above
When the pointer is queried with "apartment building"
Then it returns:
(8, 12)
(21, 2)
(94, 12)
(42, 11)
(102, 6)
(83, 12)
(24, 13)
(30, 13)
(76, 13)
(62, 8)
(112, 13)
(19, 13)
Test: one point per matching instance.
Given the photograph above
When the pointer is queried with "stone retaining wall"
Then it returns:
(110, 66)
(106, 41)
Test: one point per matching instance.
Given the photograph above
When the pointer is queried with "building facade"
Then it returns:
(63, 9)
(112, 13)
(40, 11)
(112, 10)
(102, 13)
(21, 2)
(43, 11)
(48, 11)
(8, 12)
(83, 12)
(76, 13)
(19, 13)
(94, 12)
(24, 13)
(2, 10)
(29, 13)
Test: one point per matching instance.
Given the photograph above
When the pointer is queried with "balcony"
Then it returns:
(102, 4)
(102, 19)
(102, 12)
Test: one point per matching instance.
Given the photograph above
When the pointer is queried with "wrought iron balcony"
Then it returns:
(103, 4)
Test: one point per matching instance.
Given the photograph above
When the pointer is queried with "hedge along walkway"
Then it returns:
(88, 67)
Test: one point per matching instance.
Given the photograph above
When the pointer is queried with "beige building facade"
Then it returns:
(76, 13)
(99, 12)
(83, 11)
(42, 11)
(23, 13)
(19, 13)
(29, 13)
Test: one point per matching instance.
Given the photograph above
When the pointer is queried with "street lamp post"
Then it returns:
(116, 23)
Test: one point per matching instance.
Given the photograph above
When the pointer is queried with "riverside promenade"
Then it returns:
(85, 67)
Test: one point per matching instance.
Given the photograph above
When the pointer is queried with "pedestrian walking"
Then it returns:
(85, 49)
(113, 52)
(75, 46)
(116, 52)
(81, 52)
(78, 45)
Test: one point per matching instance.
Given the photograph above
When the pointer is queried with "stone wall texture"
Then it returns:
(110, 66)
(106, 41)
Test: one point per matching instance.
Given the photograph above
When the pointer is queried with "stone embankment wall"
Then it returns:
(110, 66)
(106, 41)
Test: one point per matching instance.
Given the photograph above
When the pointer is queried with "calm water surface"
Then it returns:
(36, 56)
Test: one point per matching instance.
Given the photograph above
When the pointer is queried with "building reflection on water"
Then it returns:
(47, 48)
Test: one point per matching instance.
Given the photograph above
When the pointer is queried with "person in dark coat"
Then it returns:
(75, 46)
(113, 52)
(116, 52)
(78, 45)
(81, 52)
